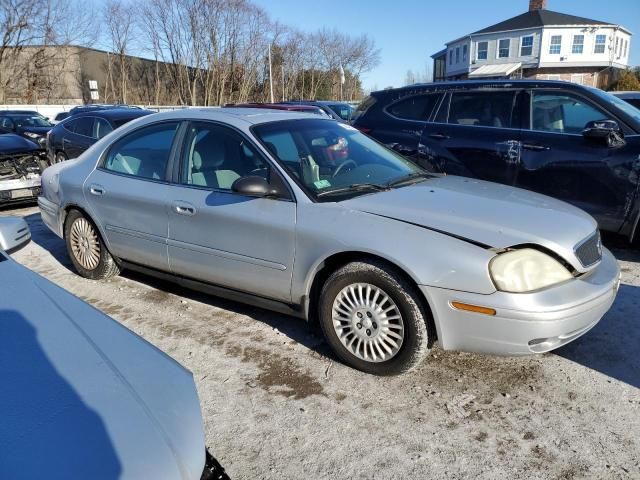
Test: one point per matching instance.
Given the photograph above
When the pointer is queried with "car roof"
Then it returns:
(113, 113)
(462, 84)
(628, 94)
(18, 112)
(276, 106)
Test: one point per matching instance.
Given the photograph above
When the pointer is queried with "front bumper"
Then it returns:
(525, 323)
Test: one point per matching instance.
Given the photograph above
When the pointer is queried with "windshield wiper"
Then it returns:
(355, 187)
(408, 179)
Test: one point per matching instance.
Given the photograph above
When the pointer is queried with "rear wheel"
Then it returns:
(373, 319)
(86, 249)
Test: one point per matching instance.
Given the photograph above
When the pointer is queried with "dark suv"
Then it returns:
(72, 136)
(575, 143)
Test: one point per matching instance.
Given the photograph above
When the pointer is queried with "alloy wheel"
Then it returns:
(85, 244)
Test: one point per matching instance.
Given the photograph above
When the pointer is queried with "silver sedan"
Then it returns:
(312, 218)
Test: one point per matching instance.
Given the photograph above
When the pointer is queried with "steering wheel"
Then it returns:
(343, 165)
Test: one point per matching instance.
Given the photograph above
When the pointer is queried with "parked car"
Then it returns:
(59, 117)
(78, 132)
(340, 111)
(544, 136)
(92, 107)
(84, 397)
(281, 106)
(630, 97)
(33, 127)
(310, 217)
(21, 164)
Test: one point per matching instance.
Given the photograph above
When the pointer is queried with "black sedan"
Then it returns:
(74, 135)
(27, 124)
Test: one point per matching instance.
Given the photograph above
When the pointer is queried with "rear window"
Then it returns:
(417, 107)
(365, 105)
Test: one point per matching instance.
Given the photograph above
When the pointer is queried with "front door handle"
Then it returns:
(184, 208)
(97, 190)
(535, 147)
(438, 136)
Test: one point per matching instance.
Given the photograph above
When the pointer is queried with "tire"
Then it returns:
(350, 294)
(85, 247)
(60, 157)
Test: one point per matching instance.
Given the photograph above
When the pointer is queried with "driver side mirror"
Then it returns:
(255, 186)
(605, 131)
(14, 234)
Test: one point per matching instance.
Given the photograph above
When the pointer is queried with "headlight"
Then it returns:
(525, 270)
(32, 135)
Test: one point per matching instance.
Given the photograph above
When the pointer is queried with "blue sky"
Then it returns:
(409, 31)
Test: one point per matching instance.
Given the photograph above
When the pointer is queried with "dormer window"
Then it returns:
(503, 48)
(526, 46)
(601, 40)
(483, 49)
(578, 44)
(556, 45)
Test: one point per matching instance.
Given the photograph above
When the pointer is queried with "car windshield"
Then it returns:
(31, 121)
(626, 107)
(343, 110)
(333, 160)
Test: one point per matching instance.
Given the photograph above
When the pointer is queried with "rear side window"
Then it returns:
(482, 109)
(100, 128)
(83, 126)
(143, 153)
(417, 107)
(364, 106)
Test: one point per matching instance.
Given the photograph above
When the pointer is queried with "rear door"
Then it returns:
(129, 191)
(475, 133)
(559, 161)
(78, 137)
(220, 236)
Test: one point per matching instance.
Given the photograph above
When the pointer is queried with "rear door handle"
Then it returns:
(97, 190)
(184, 208)
(439, 136)
(534, 147)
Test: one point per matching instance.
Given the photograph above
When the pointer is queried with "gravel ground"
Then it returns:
(277, 405)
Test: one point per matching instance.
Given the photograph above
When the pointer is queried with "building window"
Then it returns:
(617, 41)
(578, 44)
(626, 45)
(464, 53)
(526, 46)
(503, 48)
(577, 78)
(601, 40)
(483, 48)
(556, 44)
(553, 76)
(450, 57)
(457, 54)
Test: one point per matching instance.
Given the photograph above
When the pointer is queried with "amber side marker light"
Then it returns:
(473, 308)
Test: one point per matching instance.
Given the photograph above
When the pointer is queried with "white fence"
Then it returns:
(52, 110)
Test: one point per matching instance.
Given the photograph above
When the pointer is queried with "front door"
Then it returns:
(475, 133)
(128, 195)
(77, 136)
(222, 237)
(559, 161)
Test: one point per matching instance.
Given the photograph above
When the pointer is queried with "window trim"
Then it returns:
(499, 48)
(574, 44)
(177, 167)
(516, 91)
(559, 45)
(486, 50)
(532, 37)
(168, 174)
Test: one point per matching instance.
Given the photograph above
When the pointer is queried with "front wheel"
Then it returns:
(373, 319)
(88, 252)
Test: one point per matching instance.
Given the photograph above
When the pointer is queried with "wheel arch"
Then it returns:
(73, 206)
(331, 263)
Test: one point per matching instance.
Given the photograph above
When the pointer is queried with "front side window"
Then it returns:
(417, 107)
(332, 160)
(214, 157)
(503, 48)
(526, 46)
(578, 44)
(32, 121)
(143, 153)
(601, 40)
(562, 112)
(100, 128)
(483, 48)
(482, 109)
(556, 45)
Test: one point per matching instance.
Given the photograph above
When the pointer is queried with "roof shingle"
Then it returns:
(538, 18)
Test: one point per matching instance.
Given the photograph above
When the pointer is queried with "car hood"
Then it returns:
(83, 397)
(485, 213)
(10, 143)
(39, 130)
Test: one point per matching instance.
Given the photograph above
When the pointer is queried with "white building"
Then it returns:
(538, 44)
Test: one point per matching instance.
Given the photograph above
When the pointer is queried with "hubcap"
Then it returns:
(84, 244)
(368, 322)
